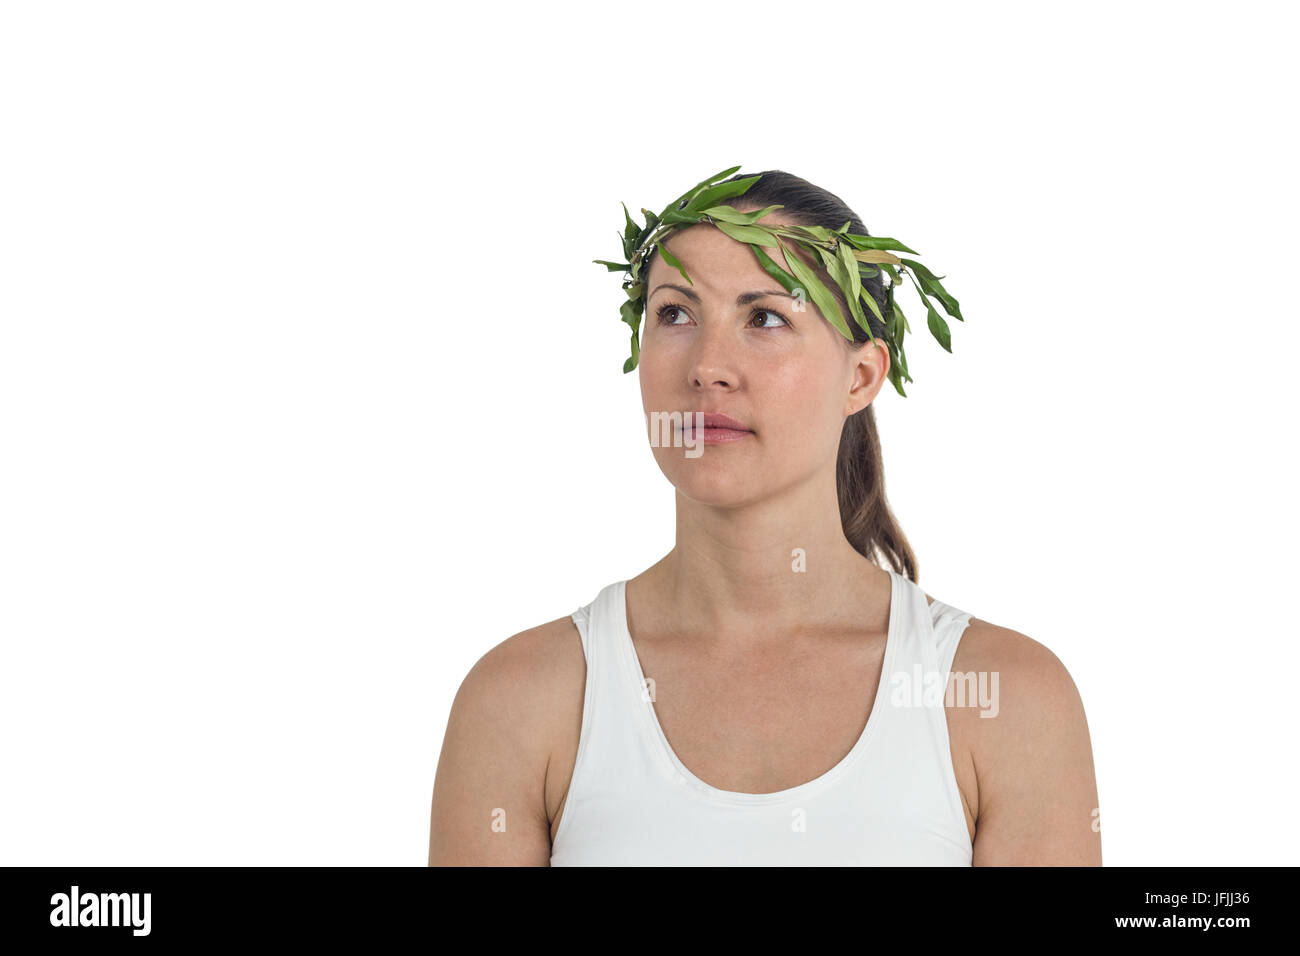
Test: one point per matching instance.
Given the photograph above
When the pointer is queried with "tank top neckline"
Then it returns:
(684, 775)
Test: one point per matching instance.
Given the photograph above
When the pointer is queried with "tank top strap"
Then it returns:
(606, 684)
(602, 625)
(582, 621)
(930, 631)
(616, 760)
(949, 624)
(914, 630)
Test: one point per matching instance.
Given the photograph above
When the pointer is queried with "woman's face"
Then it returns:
(770, 361)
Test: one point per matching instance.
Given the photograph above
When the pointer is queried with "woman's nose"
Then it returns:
(713, 359)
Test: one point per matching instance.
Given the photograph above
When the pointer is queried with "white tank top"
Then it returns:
(893, 800)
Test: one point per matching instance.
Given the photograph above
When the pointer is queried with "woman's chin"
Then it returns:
(719, 487)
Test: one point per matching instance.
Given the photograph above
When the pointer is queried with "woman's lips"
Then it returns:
(715, 436)
(715, 429)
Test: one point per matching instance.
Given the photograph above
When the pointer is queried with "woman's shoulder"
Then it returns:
(532, 669)
(990, 647)
(1021, 747)
(502, 734)
(985, 646)
(536, 680)
(1037, 710)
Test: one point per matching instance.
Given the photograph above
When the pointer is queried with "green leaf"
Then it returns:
(844, 277)
(788, 282)
(845, 255)
(897, 358)
(632, 228)
(751, 234)
(728, 214)
(631, 362)
(684, 197)
(930, 283)
(922, 298)
(900, 329)
(630, 313)
(871, 304)
(716, 176)
(877, 242)
(818, 232)
(631, 233)
(614, 266)
(821, 296)
(876, 257)
(938, 327)
(898, 369)
(845, 251)
(676, 217)
(671, 260)
(716, 194)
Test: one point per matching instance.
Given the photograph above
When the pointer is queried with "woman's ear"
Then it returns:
(870, 371)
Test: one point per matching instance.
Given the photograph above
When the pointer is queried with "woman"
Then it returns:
(766, 693)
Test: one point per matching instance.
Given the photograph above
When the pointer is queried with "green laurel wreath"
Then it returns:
(847, 257)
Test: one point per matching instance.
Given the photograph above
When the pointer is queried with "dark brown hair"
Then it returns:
(868, 522)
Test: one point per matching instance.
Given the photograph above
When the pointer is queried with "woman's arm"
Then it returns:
(1037, 788)
(489, 806)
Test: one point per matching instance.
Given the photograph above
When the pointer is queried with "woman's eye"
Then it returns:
(775, 315)
(668, 313)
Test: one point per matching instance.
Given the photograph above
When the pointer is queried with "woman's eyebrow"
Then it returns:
(743, 299)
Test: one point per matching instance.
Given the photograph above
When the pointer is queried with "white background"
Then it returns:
(310, 392)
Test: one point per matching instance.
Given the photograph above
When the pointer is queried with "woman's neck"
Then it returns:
(766, 570)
